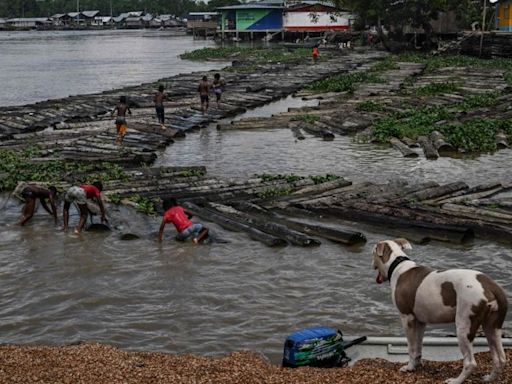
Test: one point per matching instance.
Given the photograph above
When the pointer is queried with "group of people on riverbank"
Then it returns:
(205, 88)
(83, 195)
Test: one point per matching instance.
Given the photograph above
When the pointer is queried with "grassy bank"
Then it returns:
(258, 55)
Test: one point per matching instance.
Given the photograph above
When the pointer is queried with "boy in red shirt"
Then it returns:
(79, 195)
(180, 218)
(315, 54)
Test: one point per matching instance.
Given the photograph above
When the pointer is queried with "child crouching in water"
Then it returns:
(180, 218)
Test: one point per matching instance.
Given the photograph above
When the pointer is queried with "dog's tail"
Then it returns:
(498, 306)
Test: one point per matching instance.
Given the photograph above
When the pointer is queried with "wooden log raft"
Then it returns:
(279, 230)
(337, 235)
(429, 150)
(430, 226)
(406, 151)
(234, 225)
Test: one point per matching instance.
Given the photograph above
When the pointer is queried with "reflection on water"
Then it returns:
(40, 65)
(245, 152)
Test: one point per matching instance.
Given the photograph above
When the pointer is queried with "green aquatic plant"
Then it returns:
(16, 166)
(437, 88)
(369, 106)
(291, 178)
(144, 204)
(274, 192)
(319, 179)
(345, 82)
(306, 118)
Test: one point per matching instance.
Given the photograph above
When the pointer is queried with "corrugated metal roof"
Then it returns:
(90, 13)
(28, 20)
(58, 15)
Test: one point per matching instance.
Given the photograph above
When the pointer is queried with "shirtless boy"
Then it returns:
(30, 194)
(121, 124)
(159, 98)
(204, 93)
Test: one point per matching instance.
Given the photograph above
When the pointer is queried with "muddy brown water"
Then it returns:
(213, 299)
(58, 288)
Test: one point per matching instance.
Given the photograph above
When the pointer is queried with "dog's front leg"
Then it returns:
(414, 331)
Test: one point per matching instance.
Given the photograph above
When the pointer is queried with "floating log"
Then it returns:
(429, 150)
(279, 230)
(477, 213)
(410, 142)
(406, 219)
(234, 225)
(431, 193)
(501, 140)
(406, 151)
(478, 192)
(337, 235)
(440, 144)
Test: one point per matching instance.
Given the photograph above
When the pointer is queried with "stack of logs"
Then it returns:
(452, 212)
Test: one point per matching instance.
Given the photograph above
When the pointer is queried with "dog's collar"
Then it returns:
(395, 264)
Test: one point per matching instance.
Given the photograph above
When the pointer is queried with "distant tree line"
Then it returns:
(45, 8)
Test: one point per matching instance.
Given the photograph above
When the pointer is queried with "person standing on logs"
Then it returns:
(159, 98)
(204, 93)
(316, 53)
(79, 195)
(218, 87)
(181, 219)
(30, 193)
(121, 124)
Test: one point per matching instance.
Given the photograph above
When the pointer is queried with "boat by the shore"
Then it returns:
(434, 348)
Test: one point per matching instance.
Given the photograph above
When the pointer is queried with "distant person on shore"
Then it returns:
(121, 124)
(159, 98)
(80, 195)
(204, 93)
(175, 214)
(30, 193)
(218, 87)
(316, 53)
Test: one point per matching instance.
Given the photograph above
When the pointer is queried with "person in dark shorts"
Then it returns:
(80, 195)
(218, 87)
(121, 124)
(30, 193)
(204, 93)
(159, 98)
(177, 215)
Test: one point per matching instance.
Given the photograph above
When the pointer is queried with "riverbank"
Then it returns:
(100, 363)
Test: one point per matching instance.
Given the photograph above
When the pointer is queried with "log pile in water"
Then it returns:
(450, 212)
(81, 127)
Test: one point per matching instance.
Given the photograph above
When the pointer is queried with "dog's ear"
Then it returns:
(383, 250)
(403, 243)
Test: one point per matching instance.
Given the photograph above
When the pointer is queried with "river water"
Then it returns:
(58, 288)
(40, 65)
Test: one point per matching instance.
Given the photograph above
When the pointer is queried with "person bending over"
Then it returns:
(79, 195)
(30, 193)
(177, 215)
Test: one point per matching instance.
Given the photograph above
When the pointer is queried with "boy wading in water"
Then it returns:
(30, 193)
(218, 87)
(159, 98)
(121, 124)
(181, 219)
(204, 93)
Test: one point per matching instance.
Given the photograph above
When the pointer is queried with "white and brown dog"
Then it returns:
(425, 296)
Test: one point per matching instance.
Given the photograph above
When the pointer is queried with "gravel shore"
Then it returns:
(99, 363)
